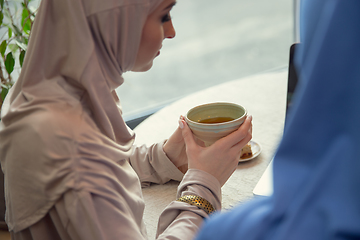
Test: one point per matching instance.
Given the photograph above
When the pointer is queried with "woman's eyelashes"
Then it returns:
(166, 18)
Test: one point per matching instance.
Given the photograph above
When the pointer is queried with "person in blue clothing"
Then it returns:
(317, 165)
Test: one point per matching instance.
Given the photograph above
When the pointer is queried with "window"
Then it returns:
(216, 41)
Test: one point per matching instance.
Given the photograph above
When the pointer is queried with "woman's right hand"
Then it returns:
(221, 158)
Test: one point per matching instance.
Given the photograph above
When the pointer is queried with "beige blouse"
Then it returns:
(103, 199)
(82, 215)
(64, 179)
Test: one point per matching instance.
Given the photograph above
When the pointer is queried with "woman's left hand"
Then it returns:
(176, 151)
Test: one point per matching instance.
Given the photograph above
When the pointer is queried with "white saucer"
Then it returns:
(256, 150)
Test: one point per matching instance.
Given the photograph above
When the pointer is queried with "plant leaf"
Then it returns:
(21, 57)
(4, 92)
(24, 15)
(9, 63)
(3, 48)
(13, 47)
(1, 18)
(25, 21)
(2, 4)
(10, 32)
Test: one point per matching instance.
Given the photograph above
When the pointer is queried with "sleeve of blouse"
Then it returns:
(181, 220)
(153, 166)
(86, 215)
(89, 216)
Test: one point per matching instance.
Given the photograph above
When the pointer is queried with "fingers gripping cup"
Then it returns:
(212, 121)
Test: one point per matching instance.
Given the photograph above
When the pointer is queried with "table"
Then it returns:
(263, 95)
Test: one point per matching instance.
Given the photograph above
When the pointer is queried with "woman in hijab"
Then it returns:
(71, 171)
(316, 168)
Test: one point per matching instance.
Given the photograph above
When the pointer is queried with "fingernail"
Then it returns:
(181, 124)
(250, 117)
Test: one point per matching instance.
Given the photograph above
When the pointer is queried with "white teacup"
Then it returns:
(212, 121)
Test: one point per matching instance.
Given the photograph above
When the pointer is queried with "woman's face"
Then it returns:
(158, 26)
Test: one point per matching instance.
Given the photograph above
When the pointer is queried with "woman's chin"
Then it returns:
(143, 68)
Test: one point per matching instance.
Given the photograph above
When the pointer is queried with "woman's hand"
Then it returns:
(221, 158)
(175, 150)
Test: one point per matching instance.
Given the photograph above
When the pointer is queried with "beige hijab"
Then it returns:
(77, 53)
(84, 44)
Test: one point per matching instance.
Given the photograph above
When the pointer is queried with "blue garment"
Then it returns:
(317, 165)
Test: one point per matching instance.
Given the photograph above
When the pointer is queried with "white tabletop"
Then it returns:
(263, 95)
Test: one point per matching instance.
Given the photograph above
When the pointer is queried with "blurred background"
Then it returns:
(216, 41)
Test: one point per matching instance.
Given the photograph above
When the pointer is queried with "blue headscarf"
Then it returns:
(317, 166)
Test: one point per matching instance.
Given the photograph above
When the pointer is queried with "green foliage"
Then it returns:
(16, 19)
(9, 63)
(4, 91)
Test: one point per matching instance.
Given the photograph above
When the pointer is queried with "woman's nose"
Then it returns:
(169, 30)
